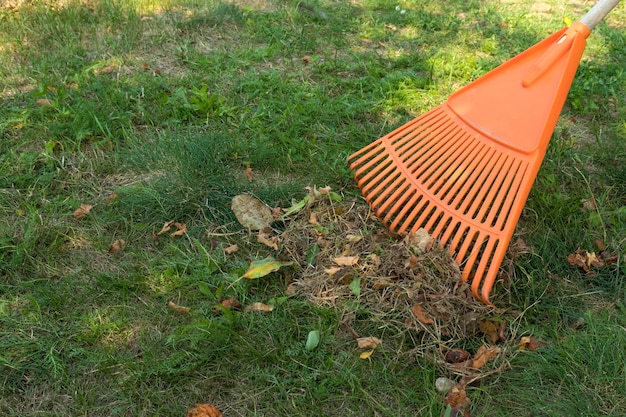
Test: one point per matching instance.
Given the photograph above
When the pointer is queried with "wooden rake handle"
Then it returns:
(581, 28)
(598, 12)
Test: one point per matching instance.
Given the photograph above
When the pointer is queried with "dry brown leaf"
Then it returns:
(420, 240)
(490, 330)
(369, 342)
(43, 102)
(332, 270)
(346, 260)
(182, 229)
(176, 307)
(248, 173)
(585, 260)
(484, 355)
(457, 356)
(204, 410)
(259, 307)
(110, 199)
(166, 228)
(251, 212)
(421, 314)
(106, 70)
(313, 219)
(117, 246)
(458, 401)
(270, 241)
(353, 238)
(306, 59)
(231, 303)
(231, 249)
(80, 212)
(530, 343)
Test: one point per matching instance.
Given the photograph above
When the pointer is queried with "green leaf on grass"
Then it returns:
(312, 340)
(263, 267)
(355, 286)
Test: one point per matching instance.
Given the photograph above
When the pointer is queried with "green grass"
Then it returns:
(165, 103)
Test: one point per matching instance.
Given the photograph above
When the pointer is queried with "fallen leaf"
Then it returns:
(204, 410)
(312, 340)
(271, 241)
(110, 199)
(313, 219)
(43, 102)
(490, 330)
(457, 356)
(332, 270)
(264, 267)
(251, 212)
(117, 246)
(166, 228)
(366, 354)
(354, 238)
(585, 260)
(258, 307)
(457, 401)
(484, 355)
(231, 249)
(80, 212)
(369, 342)
(248, 173)
(178, 308)
(346, 260)
(420, 240)
(421, 314)
(306, 59)
(530, 343)
(182, 229)
(106, 70)
(230, 303)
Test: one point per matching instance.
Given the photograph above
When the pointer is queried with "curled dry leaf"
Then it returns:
(530, 343)
(369, 342)
(420, 240)
(490, 329)
(267, 240)
(80, 212)
(248, 173)
(176, 307)
(457, 400)
(166, 228)
(457, 356)
(251, 212)
(230, 303)
(585, 260)
(231, 249)
(421, 314)
(117, 246)
(346, 260)
(204, 410)
(332, 270)
(484, 355)
(43, 102)
(182, 229)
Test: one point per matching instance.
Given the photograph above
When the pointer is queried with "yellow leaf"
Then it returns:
(366, 354)
(264, 267)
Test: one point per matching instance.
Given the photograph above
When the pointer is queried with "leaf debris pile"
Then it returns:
(346, 255)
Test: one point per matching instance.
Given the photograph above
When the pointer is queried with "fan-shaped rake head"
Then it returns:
(440, 174)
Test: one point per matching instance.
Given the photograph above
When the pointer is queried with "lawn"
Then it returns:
(128, 283)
